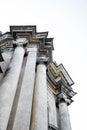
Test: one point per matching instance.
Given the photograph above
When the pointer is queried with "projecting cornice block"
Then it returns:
(59, 78)
(23, 29)
(60, 71)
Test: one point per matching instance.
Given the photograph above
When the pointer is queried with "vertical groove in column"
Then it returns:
(23, 113)
(9, 85)
(39, 116)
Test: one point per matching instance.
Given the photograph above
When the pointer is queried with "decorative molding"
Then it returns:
(59, 81)
(59, 69)
(23, 28)
(38, 39)
(5, 36)
(20, 41)
(61, 86)
(62, 97)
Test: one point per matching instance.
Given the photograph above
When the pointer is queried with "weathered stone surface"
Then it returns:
(39, 115)
(23, 113)
(64, 116)
(17, 94)
(9, 85)
(52, 110)
(7, 55)
(23, 92)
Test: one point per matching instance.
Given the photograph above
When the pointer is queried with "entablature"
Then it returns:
(39, 39)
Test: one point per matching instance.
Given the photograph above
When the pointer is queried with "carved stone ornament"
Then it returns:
(63, 98)
(20, 41)
(42, 59)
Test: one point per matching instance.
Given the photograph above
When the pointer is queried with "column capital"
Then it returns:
(42, 60)
(63, 98)
(20, 42)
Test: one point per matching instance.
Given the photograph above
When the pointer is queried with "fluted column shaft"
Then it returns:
(39, 118)
(9, 85)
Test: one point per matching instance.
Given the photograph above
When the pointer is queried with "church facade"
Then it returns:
(35, 91)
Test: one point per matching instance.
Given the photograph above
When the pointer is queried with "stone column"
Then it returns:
(63, 112)
(7, 55)
(23, 114)
(9, 84)
(39, 115)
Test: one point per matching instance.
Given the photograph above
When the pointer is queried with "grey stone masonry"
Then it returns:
(35, 91)
(52, 110)
(23, 113)
(63, 113)
(9, 85)
(39, 115)
(7, 55)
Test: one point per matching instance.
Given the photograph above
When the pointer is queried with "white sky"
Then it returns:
(66, 21)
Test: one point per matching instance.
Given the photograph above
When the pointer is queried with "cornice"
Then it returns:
(4, 37)
(61, 86)
(23, 28)
(57, 70)
(59, 81)
(52, 87)
(39, 39)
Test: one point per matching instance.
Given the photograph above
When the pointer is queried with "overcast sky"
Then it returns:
(66, 21)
